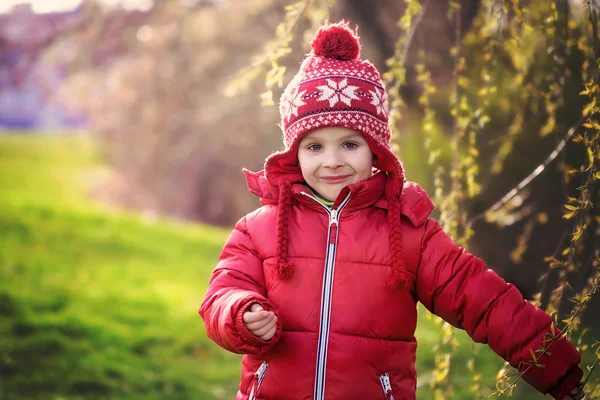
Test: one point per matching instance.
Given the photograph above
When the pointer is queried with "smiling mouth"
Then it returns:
(335, 179)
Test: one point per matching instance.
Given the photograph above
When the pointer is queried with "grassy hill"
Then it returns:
(96, 303)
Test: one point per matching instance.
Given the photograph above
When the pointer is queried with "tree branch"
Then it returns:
(534, 174)
(413, 29)
(593, 21)
(266, 56)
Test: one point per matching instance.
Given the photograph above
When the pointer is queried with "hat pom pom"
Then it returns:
(336, 41)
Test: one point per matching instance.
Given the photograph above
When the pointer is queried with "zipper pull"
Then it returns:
(259, 375)
(387, 386)
(333, 222)
(333, 217)
(261, 370)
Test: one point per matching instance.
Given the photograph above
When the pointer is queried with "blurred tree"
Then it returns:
(160, 114)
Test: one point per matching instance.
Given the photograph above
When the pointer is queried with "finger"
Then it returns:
(265, 329)
(255, 325)
(256, 307)
(250, 316)
(269, 334)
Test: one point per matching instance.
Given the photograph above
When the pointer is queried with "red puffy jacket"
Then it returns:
(342, 332)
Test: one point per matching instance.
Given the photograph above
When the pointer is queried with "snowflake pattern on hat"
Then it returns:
(336, 92)
(380, 101)
(290, 104)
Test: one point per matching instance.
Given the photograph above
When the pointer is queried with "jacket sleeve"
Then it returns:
(459, 288)
(237, 282)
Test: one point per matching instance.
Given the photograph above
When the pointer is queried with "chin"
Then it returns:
(331, 196)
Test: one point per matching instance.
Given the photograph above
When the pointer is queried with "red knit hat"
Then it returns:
(335, 88)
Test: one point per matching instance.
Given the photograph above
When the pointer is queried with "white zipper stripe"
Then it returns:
(320, 367)
(326, 296)
(325, 321)
(328, 316)
(323, 329)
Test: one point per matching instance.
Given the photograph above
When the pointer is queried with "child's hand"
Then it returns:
(260, 323)
(576, 394)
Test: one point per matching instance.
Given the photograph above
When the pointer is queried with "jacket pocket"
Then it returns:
(387, 386)
(259, 375)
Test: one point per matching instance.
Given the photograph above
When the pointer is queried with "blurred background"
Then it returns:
(124, 126)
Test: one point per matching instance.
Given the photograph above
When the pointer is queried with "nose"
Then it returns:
(333, 160)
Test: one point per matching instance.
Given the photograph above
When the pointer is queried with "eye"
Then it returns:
(350, 145)
(314, 147)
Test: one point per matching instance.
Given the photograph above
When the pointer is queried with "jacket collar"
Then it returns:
(415, 203)
(362, 194)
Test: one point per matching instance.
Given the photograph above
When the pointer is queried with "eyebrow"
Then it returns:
(351, 136)
(343, 138)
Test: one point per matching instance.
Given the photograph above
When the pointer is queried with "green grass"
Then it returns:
(96, 303)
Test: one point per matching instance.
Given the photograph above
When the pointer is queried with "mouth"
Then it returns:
(335, 179)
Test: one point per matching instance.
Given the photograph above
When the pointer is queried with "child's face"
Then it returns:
(334, 157)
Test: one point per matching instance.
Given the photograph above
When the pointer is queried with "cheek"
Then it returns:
(306, 166)
(368, 160)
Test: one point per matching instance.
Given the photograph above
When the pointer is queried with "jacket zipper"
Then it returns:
(387, 386)
(326, 295)
(259, 375)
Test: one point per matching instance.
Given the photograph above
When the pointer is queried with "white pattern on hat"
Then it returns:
(380, 101)
(336, 92)
(290, 103)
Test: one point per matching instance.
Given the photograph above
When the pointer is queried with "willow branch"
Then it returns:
(266, 56)
(561, 334)
(534, 174)
(585, 381)
(455, 73)
(593, 21)
(413, 29)
(500, 17)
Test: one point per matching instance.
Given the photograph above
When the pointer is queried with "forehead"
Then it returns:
(332, 133)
